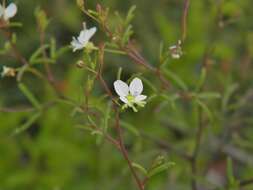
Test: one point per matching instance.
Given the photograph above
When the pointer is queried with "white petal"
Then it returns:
(76, 45)
(10, 11)
(136, 87)
(91, 32)
(121, 88)
(123, 99)
(82, 37)
(1, 10)
(175, 56)
(85, 35)
(173, 47)
(140, 98)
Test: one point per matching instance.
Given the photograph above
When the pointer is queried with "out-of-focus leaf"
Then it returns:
(127, 34)
(28, 123)
(160, 168)
(130, 128)
(42, 20)
(227, 95)
(80, 4)
(233, 184)
(130, 15)
(209, 95)
(37, 53)
(205, 108)
(52, 48)
(201, 79)
(29, 95)
(176, 79)
(140, 168)
(230, 174)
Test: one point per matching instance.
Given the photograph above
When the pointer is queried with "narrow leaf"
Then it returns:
(178, 81)
(140, 168)
(160, 168)
(29, 95)
(28, 123)
(205, 109)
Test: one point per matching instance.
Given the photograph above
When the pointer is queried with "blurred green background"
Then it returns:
(54, 154)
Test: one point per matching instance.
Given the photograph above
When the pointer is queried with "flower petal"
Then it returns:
(140, 98)
(136, 87)
(76, 45)
(86, 34)
(123, 99)
(91, 32)
(10, 11)
(121, 88)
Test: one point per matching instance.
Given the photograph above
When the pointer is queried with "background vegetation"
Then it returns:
(200, 118)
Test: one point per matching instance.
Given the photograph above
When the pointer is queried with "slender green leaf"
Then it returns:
(230, 174)
(37, 53)
(28, 123)
(177, 80)
(130, 128)
(140, 168)
(227, 95)
(160, 168)
(201, 80)
(130, 15)
(29, 95)
(209, 95)
(205, 109)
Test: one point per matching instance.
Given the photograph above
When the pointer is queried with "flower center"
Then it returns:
(130, 98)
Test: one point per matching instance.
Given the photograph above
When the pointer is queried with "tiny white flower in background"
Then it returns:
(8, 72)
(82, 40)
(130, 95)
(8, 12)
(176, 50)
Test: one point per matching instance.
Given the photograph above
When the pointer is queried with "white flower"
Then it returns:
(176, 50)
(83, 39)
(8, 12)
(130, 95)
(8, 72)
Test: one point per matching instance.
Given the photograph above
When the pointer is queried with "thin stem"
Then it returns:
(48, 69)
(117, 124)
(125, 153)
(184, 19)
(196, 149)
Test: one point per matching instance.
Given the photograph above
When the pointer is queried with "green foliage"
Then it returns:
(61, 122)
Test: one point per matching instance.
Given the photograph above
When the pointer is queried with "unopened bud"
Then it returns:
(80, 64)
(80, 4)
(8, 72)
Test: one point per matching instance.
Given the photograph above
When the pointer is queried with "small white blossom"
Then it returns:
(8, 72)
(130, 95)
(8, 12)
(82, 40)
(176, 50)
